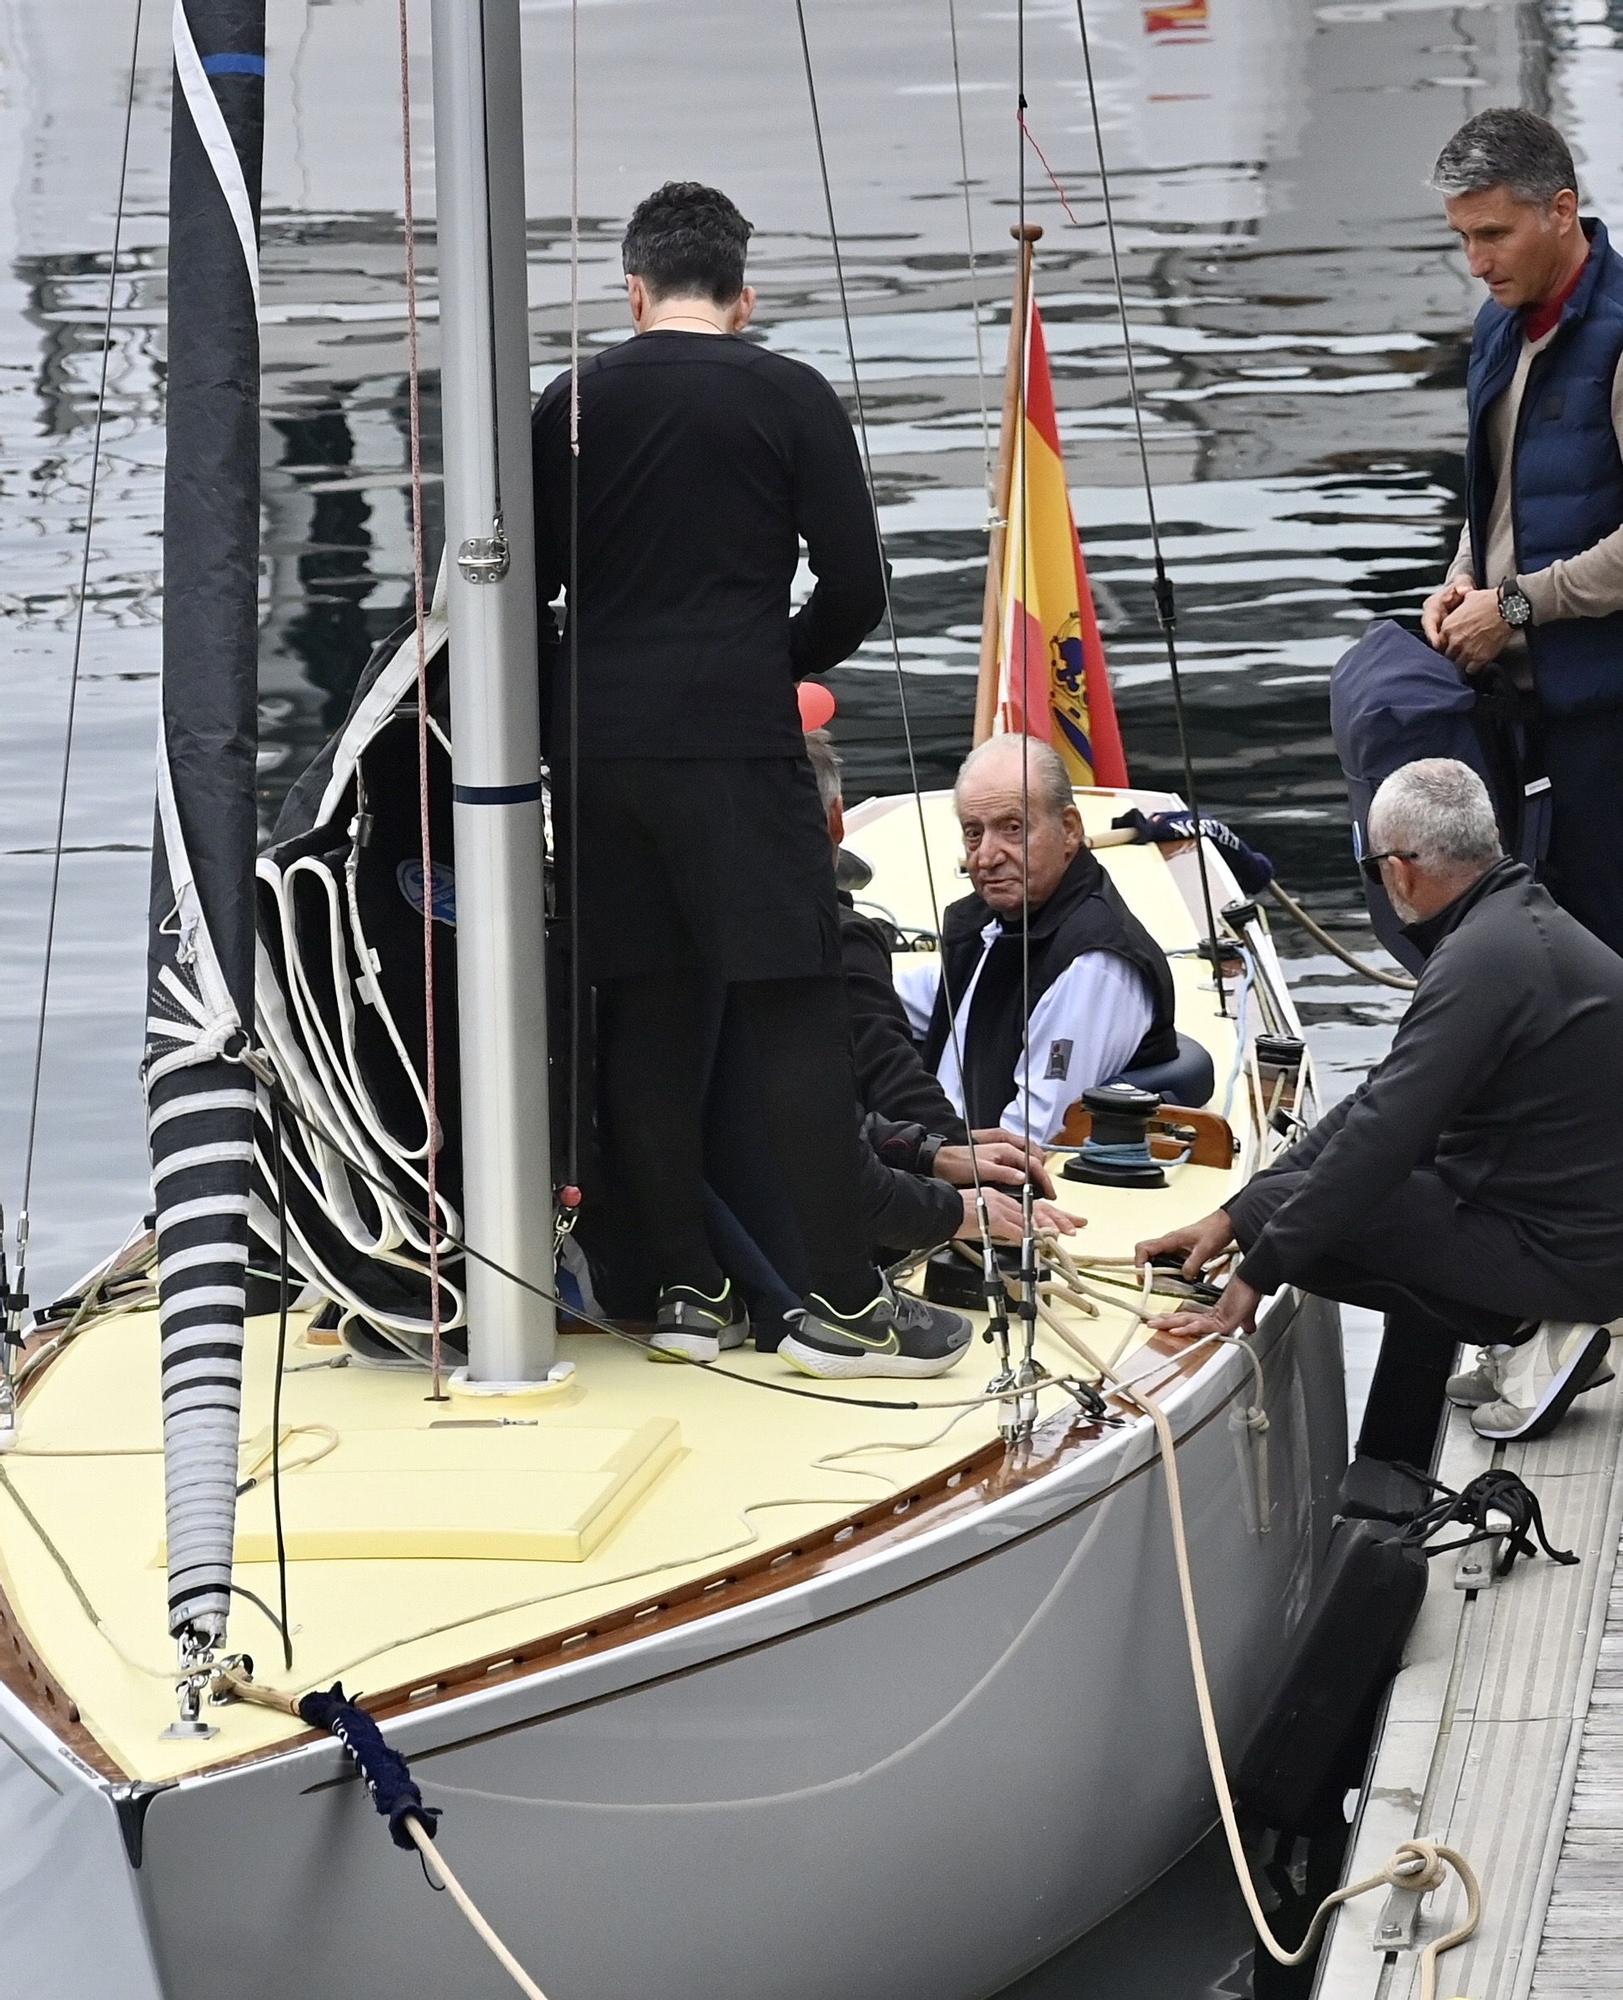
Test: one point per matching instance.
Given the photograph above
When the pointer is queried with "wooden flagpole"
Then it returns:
(1027, 235)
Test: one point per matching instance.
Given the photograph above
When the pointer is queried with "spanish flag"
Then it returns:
(1051, 676)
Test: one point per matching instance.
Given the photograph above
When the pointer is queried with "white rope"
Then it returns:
(1418, 1865)
(216, 141)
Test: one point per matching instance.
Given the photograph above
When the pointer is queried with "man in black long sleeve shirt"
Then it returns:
(706, 891)
(1475, 1178)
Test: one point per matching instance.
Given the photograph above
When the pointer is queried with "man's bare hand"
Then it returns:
(1234, 1312)
(1437, 607)
(1003, 1213)
(1473, 632)
(1199, 1243)
(1003, 1160)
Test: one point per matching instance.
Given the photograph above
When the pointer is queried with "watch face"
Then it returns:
(1514, 606)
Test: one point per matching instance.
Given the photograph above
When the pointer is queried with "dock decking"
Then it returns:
(1503, 1736)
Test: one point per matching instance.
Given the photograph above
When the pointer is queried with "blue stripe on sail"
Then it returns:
(233, 65)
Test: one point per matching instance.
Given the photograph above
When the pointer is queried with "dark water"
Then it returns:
(1299, 319)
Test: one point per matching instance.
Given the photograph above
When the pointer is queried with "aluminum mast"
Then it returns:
(495, 702)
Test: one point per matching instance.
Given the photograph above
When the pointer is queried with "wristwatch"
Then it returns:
(1515, 606)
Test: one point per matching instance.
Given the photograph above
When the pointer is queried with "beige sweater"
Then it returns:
(1587, 585)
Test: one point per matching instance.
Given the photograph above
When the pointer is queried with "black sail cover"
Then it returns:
(200, 1098)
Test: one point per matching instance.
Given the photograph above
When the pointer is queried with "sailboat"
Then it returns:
(723, 1685)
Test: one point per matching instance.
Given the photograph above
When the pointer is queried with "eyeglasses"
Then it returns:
(1370, 864)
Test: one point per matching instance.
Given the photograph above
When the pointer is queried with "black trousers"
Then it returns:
(1583, 869)
(1441, 1273)
(658, 1039)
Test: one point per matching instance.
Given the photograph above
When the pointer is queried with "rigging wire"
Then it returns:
(54, 894)
(988, 474)
(949, 1000)
(572, 615)
(1165, 601)
(283, 1289)
(424, 817)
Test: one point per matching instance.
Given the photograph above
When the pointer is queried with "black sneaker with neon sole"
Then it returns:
(690, 1325)
(897, 1334)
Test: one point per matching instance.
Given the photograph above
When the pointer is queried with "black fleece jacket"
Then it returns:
(1505, 1079)
(893, 1079)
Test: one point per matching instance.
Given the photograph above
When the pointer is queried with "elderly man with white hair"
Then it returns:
(1047, 929)
(1472, 1186)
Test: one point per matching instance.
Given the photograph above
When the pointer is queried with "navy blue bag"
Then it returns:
(1394, 699)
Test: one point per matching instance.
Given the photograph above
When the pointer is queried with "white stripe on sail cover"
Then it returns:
(206, 116)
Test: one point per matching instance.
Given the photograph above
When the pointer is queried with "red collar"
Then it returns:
(1539, 320)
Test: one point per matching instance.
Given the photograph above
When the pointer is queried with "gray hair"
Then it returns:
(1439, 811)
(825, 763)
(1046, 776)
(1506, 148)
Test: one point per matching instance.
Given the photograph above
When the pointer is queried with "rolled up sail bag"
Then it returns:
(1394, 699)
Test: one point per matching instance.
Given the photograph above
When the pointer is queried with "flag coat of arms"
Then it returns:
(1051, 677)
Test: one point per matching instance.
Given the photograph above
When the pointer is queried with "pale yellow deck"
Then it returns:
(753, 1470)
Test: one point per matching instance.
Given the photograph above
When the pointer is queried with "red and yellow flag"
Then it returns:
(1051, 677)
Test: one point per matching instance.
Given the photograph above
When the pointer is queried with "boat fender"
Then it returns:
(1306, 1748)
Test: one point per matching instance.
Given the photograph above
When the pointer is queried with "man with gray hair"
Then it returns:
(1537, 580)
(1472, 1186)
(1045, 928)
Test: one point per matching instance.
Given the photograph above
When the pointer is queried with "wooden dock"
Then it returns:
(1503, 1736)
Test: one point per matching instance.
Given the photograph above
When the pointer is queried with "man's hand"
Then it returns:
(1474, 632)
(1200, 1242)
(1003, 1160)
(1437, 607)
(1234, 1312)
(1003, 1213)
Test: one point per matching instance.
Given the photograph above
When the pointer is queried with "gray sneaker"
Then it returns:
(690, 1325)
(1540, 1379)
(898, 1334)
(1474, 1387)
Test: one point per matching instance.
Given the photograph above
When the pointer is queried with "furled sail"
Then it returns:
(200, 1099)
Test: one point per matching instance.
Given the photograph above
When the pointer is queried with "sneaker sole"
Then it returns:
(842, 1367)
(673, 1347)
(1558, 1397)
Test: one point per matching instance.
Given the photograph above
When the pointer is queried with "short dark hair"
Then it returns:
(687, 240)
(1503, 147)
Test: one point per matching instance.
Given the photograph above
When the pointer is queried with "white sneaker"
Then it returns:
(1473, 1387)
(1540, 1378)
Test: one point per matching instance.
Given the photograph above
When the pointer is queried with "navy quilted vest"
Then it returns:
(1568, 474)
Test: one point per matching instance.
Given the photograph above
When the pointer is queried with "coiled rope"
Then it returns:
(1417, 1865)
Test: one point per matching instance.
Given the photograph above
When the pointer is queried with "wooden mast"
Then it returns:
(1026, 235)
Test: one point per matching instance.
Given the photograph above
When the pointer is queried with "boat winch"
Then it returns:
(1116, 1152)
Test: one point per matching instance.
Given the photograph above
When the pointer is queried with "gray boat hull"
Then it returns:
(920, 1774)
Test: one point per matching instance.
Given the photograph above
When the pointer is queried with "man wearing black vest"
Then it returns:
(1537, 580)
(1099, 987)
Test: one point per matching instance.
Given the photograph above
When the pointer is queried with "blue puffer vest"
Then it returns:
(1568, 474)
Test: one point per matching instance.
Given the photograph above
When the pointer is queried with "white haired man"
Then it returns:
(1472, 1186)
(1044, 925)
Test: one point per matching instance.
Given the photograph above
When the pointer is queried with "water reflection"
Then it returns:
(1300, 321)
